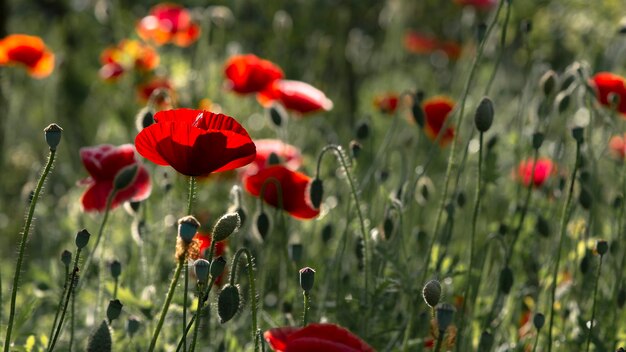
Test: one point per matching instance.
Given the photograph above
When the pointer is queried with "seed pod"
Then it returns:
(537, 140)
(202, 267)
(562, 101)
(53, 135)
(483, 118)
(445, 315)
(417, 111)
(226, 226)
(82, 238)
(548, 82)
(432, 293)
(585, 198)
(538, 321)
(602, 247)
(388, 226)
(100, 339)
(307, 278)
(115, 268)
(542, 226)
(228, 302)
(461, 199)
(187, 228)
(315, 192)
(506, 280)
(66, 257)
(114, 309)
(362, 130)
(262, 224)
(132, 325)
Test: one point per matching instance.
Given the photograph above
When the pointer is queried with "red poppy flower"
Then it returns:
(607, 83)
(145, 91)
(295, 96)
(478, 4)
(103, 162)
(315, 338)
(387, 103)
(420, 43)
(128, 54)
(196, 142)
(288, 155)
(29, 51)
(617, 146)
(250, 74)
(293, 186)
(436, 111)
(168, 23)
(452, 49)
(543, 170)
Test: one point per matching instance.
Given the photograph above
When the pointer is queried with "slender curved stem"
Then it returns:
(70, 291)
(197, 326)
(564, 219)
(307, 306)
(439, 341)
(60, 306)
(20, 257)
(252, 293)
(593, 309)
(204, 293)
(166, 304)
(192, 188)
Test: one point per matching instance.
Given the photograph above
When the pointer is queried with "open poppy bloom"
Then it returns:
(128, 54)
(387, 103)
(543, 170)
(295, 96)
(29, 51)
(250, 74)
(287, 154)
(436, 112)
(315, 338)
(168, 23)
(478, 4)
(293, 186)
(103, 162)
(606, 84)
(196, 142)
(617, 146)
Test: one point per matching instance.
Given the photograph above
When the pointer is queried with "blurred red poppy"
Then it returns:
(478, 4)
(29, 51)
(606, 84)
(168, 23)
(387, 103)
(162, 84)
(196, 142)
(617, 146)
(128, 54)
(436, 112)
(315, 338)
(205, 240)
(103, 162)
(250, 74)
(293, 186)
(295, 96)
(288, 155)
(424, 44)
(543, 170)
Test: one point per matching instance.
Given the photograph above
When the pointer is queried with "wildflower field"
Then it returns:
(313, 175)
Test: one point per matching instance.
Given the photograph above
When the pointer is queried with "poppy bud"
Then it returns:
(53, 135)
(277, 114)
(144, 118)
(273, 159)
(66, 257)
(217, 267)
(486, 341)
(445, 314)
(125, 176)
(537, 140)
(327, 232)
(461, 199)
(315, 192)
(132, 326)
(417, 111)
(114, 309)
(506, 280)
(262, 224)
(295, 251)
(585, 198)
(132, 207)
(491, 143)
(82, 238)
(548, 82)
(228, 302)
(226, 226)
(481, 30)
(307, 278)
(362, 130)
(538, 321)
(381, 175)
(187, 228)
(621, 298)
(359, 247)
(388, 226)
(567, 81)
(617, 202)
(100, 339)
(432, 293)
(602, 247)
(542, 226)
(578, 134)
(202, 267)
(355, 149)
(115, 268)
(483, 118)
(503, 229)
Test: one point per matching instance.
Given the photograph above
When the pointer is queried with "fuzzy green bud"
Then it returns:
(262, 224)
(226, 226)
(114, 309)
(116, 269)
(125, 177)
(100, 339)
(537, 140)
(548, 82)
(432, 293)
(307, 278)
(538, 321)
(217, 267)
(602, 247)
(82, 238)
(228, 303)
(187, 228)
(53, 135)
(201, 268)
(483, 118)
(315, 193)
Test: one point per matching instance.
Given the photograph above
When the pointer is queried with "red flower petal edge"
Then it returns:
(315, 337)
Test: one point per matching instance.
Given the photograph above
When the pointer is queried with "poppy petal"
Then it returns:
(334, 333)
(104, 161)
(277, 337)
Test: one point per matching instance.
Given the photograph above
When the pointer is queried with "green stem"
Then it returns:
(72, 321)
(166, 304)
(192, 188)
(593, 309)
(60, 306)
(564, 218)
(197, 325)
(20, 257)
(252, 291)
(115, 288)
(439, 341)
(502, 45)
(536, 341)
(307, 305)
(70, 291)
(195, 317)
